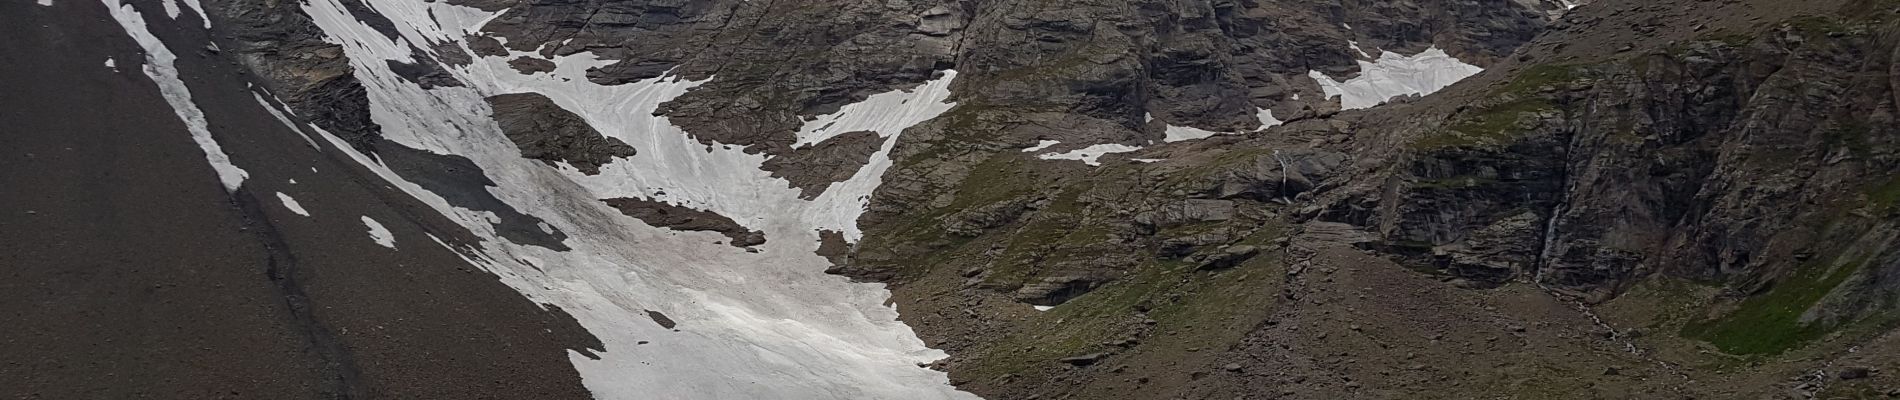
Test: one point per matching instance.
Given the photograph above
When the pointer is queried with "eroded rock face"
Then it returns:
(544, 131)
(277, 41)
(776, 61)
(667, 215)
(1705, 160)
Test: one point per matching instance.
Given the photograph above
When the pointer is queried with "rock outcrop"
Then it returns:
(668, 215)
(544, 131)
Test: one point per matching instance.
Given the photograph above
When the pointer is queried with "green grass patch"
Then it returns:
(1500, 122)
(1820, 25)
(1537, 77)
(1001, 177)
(1047, 240)
(1212, 309)
(1770, 323)
(1884, 197)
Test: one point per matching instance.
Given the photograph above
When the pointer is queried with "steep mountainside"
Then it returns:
(1007, 199)
(1650, 199)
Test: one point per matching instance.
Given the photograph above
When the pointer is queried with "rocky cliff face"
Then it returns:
(1636, 149)
(1759, 158)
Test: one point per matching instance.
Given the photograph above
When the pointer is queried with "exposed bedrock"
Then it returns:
(545, 131)
(667, 215)
(814, 167)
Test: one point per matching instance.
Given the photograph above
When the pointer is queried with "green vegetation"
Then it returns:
(1885, 196)
(1190, 309)
(1050, 238)
(1770, 323)
(1227, 158)
(1001, 177)
(1501, 121)
(1821, 25)
(1537, 77)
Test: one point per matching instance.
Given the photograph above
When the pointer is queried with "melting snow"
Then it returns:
(1088, 155)
(197, 8)
(1180, 133)
(1393, 75)
(1042, 144)
(291, 203)
(1354, 44)
(376, 231)
(158, 66)
(171, 8)
(768, 325)
(1266, 118)
(48, 3)
(1043, 308)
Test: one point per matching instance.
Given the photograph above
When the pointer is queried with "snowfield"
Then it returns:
(764, 325)
(1394, 75)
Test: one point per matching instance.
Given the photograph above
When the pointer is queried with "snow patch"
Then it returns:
(158, 66)
(292, 204)
(1354, 44)
(378, 233)
(1043, 308)
(1041, 144)
(200, 10)
(1180, 133)
(885, 113)
(1088, 155)
(1266, 118)
(1393, 75)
